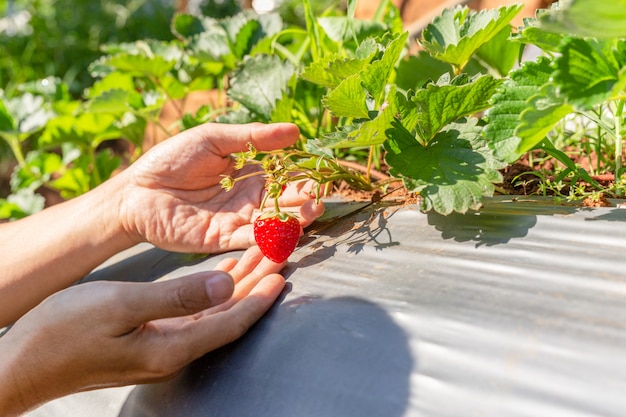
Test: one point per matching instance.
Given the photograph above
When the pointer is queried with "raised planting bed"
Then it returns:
(516, 309)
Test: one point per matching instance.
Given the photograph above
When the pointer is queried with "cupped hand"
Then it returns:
(104, 334)
(174, 200)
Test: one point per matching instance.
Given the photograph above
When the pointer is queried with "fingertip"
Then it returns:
(311, 210)
(274, 135)
(219, 287)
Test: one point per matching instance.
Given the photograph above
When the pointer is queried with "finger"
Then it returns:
(226, 265)
(253, 266)
(310, 211)
(212, 332)
(298, 192)
(250, 270)
(173, 298)
(227, 139)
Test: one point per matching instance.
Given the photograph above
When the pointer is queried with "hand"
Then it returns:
(104, 334)
(173, 198)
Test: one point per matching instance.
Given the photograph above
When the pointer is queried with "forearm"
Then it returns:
(50, 250)
(15, 399)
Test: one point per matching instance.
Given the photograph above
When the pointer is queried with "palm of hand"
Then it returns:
(175, 200)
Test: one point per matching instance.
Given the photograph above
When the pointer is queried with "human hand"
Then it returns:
(104, 334)
(174, 200)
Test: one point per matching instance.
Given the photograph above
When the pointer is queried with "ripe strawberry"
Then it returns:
(277, 235)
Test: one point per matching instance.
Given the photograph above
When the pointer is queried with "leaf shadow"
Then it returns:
(357, 230)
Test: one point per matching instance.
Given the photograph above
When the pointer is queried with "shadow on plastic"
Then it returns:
(309, 357)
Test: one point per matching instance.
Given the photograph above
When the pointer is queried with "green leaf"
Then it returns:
(114, 80)
(40, 167)
(259, 82)
(348, 99)
(369, 132)
(590, 71)
(21, 204)
(7, 124)
(440, 104)
(342, 29)
(501, 53)
(23, 115)
(416, 70)
(155, 66)
(145, 58)
(74, 182)
(532, 34)
(453, 172)
(239, 116)
(509, 102)
(588, 18)
(113, 101)
(106, 162)
(185, 26)
(458, 33)
(545, 110)
(331, 69)
(87, 130)
(377, 76)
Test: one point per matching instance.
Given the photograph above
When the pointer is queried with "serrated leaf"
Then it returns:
(141, 65)
(509, 102)
(501, 53)
(369, 132)
(458, 33)
(39, 168)
(544, 111)
(590, 71)
(88, 129)
(113, 101)
(331, 69)
(453, 172)
(342, 29)
(239, 116)
(282, 109)
(23, 115)
(531, 33)
(348, 99)
(376, 76)
(259, 82)
(213, 46)
(114, 80)
(21, 204)
(438, 105)
(588, 18)
(414, 71)
(374, 132)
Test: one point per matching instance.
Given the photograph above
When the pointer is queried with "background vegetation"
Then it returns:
(444, 115)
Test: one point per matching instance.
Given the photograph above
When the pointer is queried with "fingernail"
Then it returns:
(219, 287)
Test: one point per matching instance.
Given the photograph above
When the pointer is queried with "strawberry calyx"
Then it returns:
(280, 215)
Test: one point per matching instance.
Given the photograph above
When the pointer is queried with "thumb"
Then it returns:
(227, 139)
(178, 297)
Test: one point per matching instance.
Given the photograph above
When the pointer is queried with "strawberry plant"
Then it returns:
(444, 121)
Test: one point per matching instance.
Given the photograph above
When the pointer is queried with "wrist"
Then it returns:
(108, 204)
(15, 399)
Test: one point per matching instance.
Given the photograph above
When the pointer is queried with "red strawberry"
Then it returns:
(277, 235)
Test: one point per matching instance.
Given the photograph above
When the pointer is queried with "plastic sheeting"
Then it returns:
(515, 310)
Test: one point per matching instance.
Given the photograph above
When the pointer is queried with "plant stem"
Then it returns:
(618, 143)
(14, 144)
(380, 11)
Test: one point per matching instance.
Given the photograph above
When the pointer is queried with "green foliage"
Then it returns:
(61, 37)
(446, 119)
